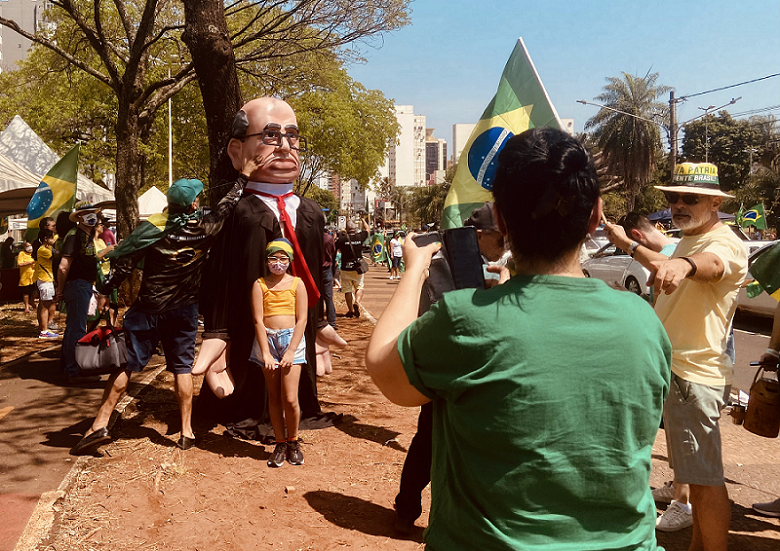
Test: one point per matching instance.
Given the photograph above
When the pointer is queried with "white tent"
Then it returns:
(17, 185)
(22, 145)
(151, 202)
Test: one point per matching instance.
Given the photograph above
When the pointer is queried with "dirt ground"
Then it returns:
(19, 332)
(145, 493)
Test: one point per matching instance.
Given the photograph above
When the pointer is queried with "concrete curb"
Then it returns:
(42, 519)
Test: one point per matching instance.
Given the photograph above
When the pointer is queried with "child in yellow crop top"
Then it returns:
(279, 304)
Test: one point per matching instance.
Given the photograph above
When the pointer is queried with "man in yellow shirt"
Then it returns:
(696, 292)
(44, 274)
(26, 265)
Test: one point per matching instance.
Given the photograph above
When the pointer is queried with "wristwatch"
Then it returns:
(632, 247)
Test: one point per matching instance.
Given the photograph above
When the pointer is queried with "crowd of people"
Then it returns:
(531, 432)
(40, 259)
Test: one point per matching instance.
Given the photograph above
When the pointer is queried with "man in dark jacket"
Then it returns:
(173, 247)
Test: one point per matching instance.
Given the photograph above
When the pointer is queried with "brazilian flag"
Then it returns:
(754, 217)
(520, 103)
(766, 272)
(151, 230)
(55, 193)
(378, 247)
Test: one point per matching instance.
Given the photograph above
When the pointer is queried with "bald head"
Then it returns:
(275, 164)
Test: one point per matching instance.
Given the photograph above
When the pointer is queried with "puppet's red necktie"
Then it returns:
(299, 267)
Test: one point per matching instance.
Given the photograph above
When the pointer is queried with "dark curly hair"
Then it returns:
(545, 189)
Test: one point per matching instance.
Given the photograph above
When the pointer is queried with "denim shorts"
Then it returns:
(175, 329)
(691, 415)
(278, 343)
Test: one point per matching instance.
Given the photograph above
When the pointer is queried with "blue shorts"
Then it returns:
(279, 342)
(175, 329)
(397, 261)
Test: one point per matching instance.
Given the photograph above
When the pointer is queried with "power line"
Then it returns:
(683, 98)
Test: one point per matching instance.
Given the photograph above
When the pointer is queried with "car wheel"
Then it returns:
(585, 273)
(633, 285)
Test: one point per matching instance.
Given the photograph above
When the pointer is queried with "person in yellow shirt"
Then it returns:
(44, 274)
(697, 297)
(26, 266)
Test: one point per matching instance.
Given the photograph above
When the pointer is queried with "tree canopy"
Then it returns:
(629, 139)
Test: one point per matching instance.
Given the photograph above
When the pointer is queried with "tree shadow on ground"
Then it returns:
(358, 514)
(380, 435)
(743, 519)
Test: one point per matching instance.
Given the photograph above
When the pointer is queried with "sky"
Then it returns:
(448, 61)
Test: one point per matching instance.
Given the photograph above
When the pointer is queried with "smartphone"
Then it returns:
(423, 239)
(462, 249)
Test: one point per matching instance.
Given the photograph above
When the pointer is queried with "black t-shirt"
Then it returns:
(346, 245)
(80, 248)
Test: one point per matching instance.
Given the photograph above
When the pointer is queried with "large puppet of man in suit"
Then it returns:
(264, 129)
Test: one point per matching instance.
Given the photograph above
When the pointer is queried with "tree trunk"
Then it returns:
(129, 161)
(206, 36)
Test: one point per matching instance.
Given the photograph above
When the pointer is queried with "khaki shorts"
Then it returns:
(351, 281)
(691, 415)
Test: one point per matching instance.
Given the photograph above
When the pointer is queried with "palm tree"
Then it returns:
(630, 146)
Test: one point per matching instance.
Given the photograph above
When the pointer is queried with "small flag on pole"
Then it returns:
(520, 103)
(55, 193)
(754, 217)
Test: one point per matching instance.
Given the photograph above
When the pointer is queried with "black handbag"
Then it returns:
(102, 350)
(361, 266)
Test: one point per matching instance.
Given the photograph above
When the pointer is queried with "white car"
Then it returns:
(618, 270)
(763, 304)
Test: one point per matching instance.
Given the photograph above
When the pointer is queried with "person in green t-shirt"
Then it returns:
(547, 389)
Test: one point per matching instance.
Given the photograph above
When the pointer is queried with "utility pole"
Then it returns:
(672, 133)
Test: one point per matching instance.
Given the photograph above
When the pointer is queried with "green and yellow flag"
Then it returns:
(151, 230)
(520, 103)
(378, 247)
(753, 217)
(55, 193)
(766, 272)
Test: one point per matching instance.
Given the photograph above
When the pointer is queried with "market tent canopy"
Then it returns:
(666, 216)
(23, 146)
(17, 185)
(152, 201)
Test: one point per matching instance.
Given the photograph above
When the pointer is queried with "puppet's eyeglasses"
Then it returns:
(275, 137)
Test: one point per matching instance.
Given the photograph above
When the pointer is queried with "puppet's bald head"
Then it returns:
(275, 164)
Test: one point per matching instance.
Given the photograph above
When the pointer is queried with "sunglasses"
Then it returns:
(687, 198)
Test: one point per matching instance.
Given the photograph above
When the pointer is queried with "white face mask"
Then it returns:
(28, 249)
(278, 268)
(90, 219)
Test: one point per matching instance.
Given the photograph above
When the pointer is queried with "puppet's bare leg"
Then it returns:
(324, 366)
(221, 383)
(211, 350)
(327, 336)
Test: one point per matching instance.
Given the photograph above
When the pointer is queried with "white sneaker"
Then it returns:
(676, 517)
(664, 494)
(770, 509)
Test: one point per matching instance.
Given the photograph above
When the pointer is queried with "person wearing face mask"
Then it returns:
(173, 247)
(26, 265)
(279, 306)
(76, 276)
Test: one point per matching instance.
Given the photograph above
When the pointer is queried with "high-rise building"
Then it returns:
(460, 136)
(13, 46)
(405, 163)
(435, 157)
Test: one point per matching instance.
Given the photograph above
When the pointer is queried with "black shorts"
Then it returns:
(28, 289)
(176, 329)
